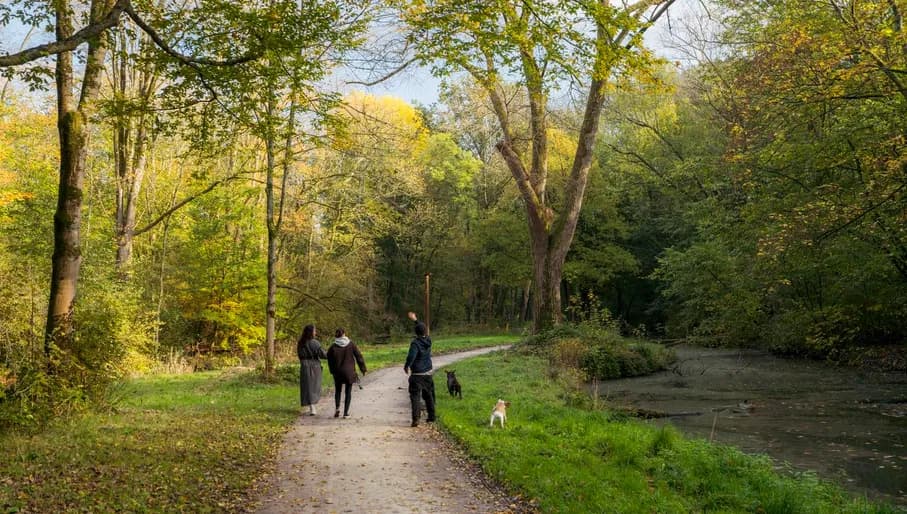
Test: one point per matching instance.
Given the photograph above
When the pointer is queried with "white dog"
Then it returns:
(499, 412)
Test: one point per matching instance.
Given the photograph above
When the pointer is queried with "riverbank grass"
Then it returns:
(574, 459)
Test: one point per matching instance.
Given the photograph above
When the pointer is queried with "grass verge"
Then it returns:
(569, 459)
(175, 443)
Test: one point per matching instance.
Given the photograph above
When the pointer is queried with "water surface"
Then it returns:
(847, 425)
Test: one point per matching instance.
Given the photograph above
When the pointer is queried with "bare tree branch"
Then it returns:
(387, 76)
(70, 43)
(110, 20)
(186, 200)
(191, 61)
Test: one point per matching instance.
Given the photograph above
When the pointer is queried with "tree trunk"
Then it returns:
(524, 309)
(72, 122)
(271, 307)
(131, 172)
(275, 220)
(547, 272)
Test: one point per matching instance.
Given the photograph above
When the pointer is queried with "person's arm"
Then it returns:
(359, 359)
(320, 353)
(411, 356)
(330, 358)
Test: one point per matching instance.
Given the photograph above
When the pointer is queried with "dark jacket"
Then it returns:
(419, 357)
(310, 350)
(343, 356)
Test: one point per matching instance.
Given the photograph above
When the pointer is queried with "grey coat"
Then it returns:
(310, 354)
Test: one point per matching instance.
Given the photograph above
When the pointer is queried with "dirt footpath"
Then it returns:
(375, 462)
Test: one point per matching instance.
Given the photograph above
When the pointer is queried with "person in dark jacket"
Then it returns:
(343, 356)
(418, 366)
(310, 354)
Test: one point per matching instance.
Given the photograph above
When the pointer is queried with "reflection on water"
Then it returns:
(847, 425)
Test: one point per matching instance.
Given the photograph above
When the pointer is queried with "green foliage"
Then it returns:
(768, 176)
(114, 339)
(616, 361)
(114, 327)
(215, 272)
(568, 459)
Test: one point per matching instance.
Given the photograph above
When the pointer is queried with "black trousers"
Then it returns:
(422, 387)
(347, 398)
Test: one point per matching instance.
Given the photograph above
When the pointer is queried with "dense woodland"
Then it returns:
(752, 192)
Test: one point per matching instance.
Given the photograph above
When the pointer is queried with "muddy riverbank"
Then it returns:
(849, 426)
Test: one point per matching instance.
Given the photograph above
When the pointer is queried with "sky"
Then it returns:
(417, 85)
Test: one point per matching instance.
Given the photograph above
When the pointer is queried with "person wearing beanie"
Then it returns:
(343, 356)
(418, 366)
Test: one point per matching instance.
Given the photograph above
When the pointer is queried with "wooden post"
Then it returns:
(427, 304)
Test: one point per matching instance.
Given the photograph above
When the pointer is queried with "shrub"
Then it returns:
(114, 337)
(616, 361)
(598, 352)
(831, 331)
(601, 363)
(632, 364)
(569, 352)
(549, 337)
(287, 373)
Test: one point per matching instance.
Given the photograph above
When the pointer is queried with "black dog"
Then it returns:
(453, 387)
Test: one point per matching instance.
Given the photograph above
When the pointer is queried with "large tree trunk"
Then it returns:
(72, 121)
(550, 236)
(546, 310)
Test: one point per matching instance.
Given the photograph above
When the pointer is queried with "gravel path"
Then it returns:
(375, 462)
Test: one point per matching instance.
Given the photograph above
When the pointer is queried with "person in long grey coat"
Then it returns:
(310, 354)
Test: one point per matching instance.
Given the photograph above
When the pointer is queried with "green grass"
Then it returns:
(174, 443)
(195, 442)
(379, 356)
(572, 459)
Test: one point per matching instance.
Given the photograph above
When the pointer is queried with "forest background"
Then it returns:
(754, 195)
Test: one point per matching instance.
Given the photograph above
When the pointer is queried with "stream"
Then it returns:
(847, 425)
